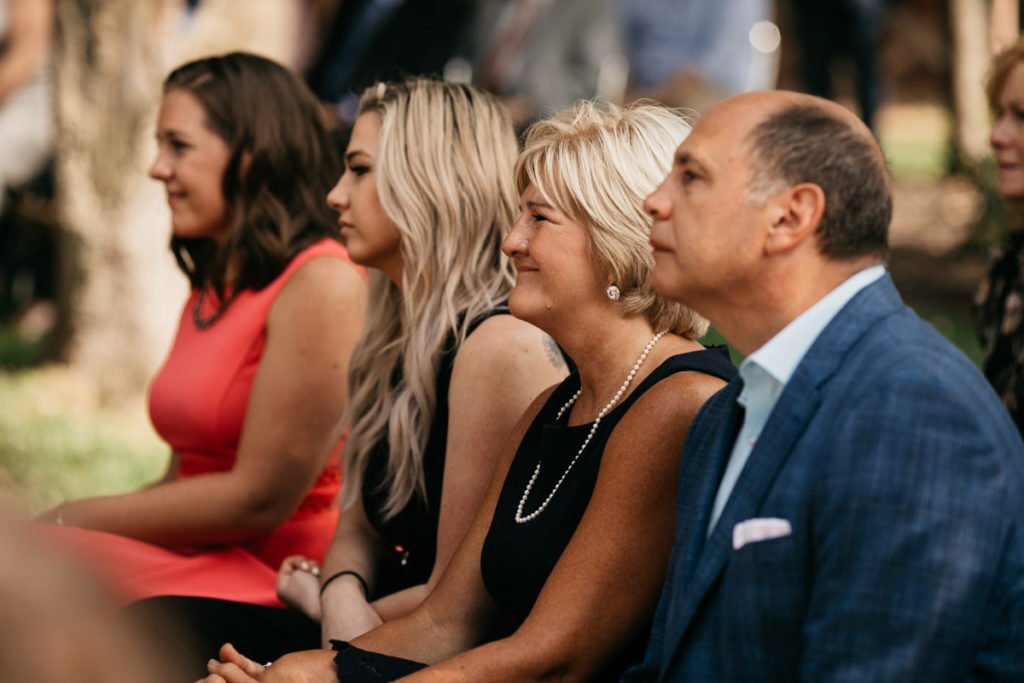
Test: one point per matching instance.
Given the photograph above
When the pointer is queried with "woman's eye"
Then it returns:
(359, 170)
(178, 145)
(688, 176)
(537, 218)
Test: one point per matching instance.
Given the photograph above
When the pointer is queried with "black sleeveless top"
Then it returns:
(411, 535)
(518, 558)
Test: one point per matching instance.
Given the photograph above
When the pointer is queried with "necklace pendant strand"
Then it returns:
(524, 518)
(197, 315)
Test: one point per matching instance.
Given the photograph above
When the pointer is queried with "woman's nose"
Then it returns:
(159, 169)
(337, 198)
(515, 242)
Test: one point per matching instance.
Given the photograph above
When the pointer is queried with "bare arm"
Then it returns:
(458, 613)
(297, 398)
(498, 370)
(622, 541)
(29, 41)
(344, 609)
(583, 617)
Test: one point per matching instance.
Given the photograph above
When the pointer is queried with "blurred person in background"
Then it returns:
(696, 53)
(999, 301)
(26, 93)
(439, 377)
(830, 29)
(541, 56)
(251, 394)
(27, 249)
(367, 41)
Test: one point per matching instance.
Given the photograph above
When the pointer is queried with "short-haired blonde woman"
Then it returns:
(438, 378)
(561, 569)
(998, 301)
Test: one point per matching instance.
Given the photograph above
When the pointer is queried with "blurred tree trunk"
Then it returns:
(122, 292)
(971, 54)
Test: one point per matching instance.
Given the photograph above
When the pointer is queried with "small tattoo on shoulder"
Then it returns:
(554, 353)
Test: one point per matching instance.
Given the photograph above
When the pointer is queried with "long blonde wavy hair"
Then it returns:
(444, 177)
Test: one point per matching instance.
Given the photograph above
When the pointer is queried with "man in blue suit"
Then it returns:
(852, 507)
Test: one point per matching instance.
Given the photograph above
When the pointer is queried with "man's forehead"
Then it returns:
(710, 151)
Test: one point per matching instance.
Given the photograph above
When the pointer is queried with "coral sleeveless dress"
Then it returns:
(197, 403)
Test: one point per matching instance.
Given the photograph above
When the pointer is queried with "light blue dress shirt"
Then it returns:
(766, 371)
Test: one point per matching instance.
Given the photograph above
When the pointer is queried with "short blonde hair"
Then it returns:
(999, 71)
(597, 165)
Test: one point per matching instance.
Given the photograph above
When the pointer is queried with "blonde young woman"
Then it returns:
(560, 571)
(438, 378)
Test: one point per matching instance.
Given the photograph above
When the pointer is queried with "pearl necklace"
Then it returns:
(523, 519)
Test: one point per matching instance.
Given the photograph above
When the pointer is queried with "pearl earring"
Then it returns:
(613, 292)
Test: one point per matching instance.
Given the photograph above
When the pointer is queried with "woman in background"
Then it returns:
(999, 301)
(252, 392)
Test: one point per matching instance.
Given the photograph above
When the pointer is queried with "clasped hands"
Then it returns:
(314, 666)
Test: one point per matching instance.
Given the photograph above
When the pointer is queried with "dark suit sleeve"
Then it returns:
(912, 523)
(646, 671)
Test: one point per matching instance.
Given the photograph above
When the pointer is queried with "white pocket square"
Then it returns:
(759, 529)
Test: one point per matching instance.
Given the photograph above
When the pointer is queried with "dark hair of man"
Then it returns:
(804, 143)
(282, 163)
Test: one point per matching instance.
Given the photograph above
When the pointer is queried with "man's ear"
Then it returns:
(794, 215)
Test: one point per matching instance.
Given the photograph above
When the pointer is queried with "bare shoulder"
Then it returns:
(325, 276)
(498, 372)
(677, 397)
(322, 286)
(660, 419)
(505, 345)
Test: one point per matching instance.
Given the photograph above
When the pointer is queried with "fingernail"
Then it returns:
(212, 664)
(316, 571)
(305, 565)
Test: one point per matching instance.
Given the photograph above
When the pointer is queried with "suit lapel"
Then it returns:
(784, 427)
(792, 413)
(704, 461)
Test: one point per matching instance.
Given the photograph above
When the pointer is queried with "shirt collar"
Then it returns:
(781, 354)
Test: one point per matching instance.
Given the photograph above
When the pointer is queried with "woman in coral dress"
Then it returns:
(251, 395)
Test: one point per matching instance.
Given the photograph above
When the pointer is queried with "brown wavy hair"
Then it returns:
(282, 163)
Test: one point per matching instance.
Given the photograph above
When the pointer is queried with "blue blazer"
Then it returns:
(901, 478)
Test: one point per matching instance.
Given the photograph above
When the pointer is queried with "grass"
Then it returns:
(56, 444)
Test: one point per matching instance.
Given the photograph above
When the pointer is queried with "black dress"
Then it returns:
(999, 316)
(517, 559)
(197, 627)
